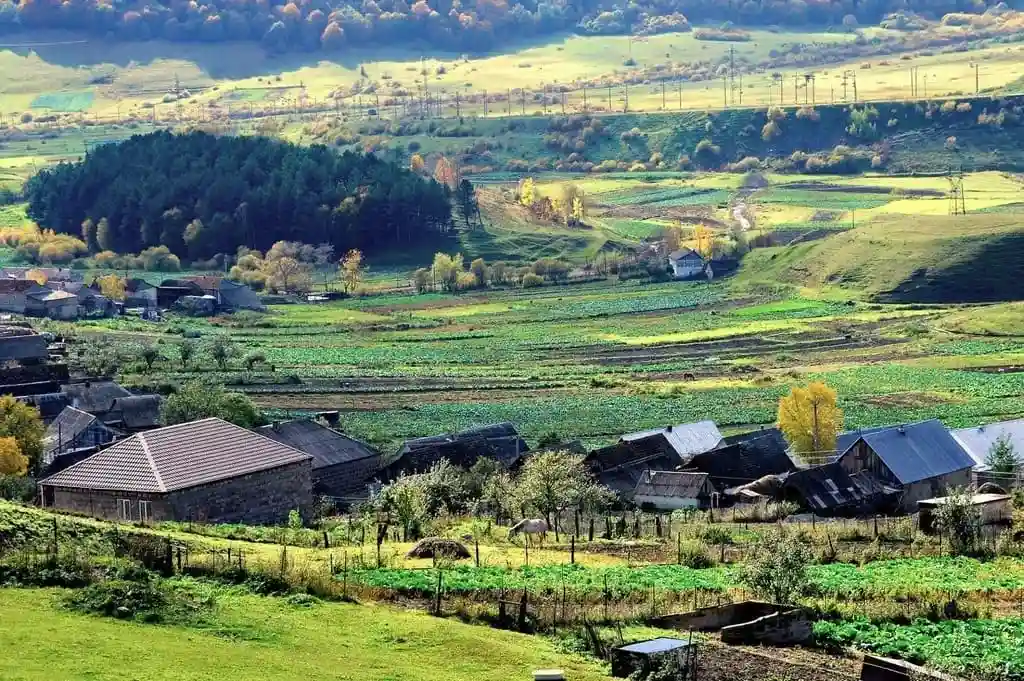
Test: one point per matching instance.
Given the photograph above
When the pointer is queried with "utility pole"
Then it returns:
(609, 99)
(625, 105)
(732, 74)
(680, 88)
(662, 95)
(584, 97)
(508, 108)
(977, 78)
(522, 98)
(725, 93)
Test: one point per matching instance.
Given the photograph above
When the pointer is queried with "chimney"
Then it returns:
(901, 430)
(331, 417)
(669, 429)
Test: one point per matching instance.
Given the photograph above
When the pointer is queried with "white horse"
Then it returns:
(533, 526)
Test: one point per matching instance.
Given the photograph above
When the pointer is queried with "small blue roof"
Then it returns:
(655, 645)
(917, 451)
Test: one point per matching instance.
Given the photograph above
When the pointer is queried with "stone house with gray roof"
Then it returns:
(205, 471)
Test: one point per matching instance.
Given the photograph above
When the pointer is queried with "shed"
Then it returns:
(140, 293)
(671, 490)
(744, 458)
(686, 440)
(619, 467)
(647, 656)
(829, 490)
(134, 413)
(922, 459)
(14, 294)
(207, 471)
(994, 509)
(72, 431)
(52, 304)
(342, 466)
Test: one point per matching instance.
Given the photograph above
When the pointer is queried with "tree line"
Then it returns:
(450, 24)
(201, 195)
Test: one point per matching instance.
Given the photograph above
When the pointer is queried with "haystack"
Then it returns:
(436, 547)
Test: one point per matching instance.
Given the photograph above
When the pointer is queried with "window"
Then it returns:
(145, 511)
(124, 509)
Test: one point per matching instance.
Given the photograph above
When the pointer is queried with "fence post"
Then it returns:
(476, 541)
(440, 584)
(679, 548)
(327, 541)
(590, 531)
(344, 582)
(572, 551)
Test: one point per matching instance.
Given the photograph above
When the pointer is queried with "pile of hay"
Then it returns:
(436, 547)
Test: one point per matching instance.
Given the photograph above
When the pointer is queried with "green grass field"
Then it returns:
(285, 643)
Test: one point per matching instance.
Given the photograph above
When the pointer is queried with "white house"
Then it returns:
(686, 263)
(671, 490)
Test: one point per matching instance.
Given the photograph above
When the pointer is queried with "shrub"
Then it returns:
(694, 555)
(777, 568)
(960, 521)
(531, 280)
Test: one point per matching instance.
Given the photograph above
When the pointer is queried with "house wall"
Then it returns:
(860, 457)
(262, 498)
(346, 479)
(682, 269)
(104, 504)
(13, 302)
(667, 503)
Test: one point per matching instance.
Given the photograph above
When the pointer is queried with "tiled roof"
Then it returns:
(178, 457)
(830, 487)
(327, 447)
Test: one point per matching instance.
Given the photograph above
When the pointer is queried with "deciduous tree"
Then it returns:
(200, 400)
(352, 270)
(553, 480)
(12, 461)
(112, 286)
(22, 422)
(811, 418)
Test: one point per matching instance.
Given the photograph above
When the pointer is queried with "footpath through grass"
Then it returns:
(292, 643)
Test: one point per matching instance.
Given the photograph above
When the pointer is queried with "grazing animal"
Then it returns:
(534, 526)
(689, 377)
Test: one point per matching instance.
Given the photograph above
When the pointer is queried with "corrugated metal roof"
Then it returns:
(94, 397)
(918, 451)
(178, 457)
(68, 425)
(750, 457)
(978, 441)
(327, 447)
(671, 484)
(136, 412)
(686, 439)
(831, 488)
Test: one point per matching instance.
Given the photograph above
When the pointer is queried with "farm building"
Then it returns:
(134, 413)
(14, 294)
(685, 440)
(228, 294)
(619, 467)
(52, 274)
(980, 440)
(922, 459)
(140, 293)
(500, 442)
(95, 397)
(342, 466)
(686, 263)
(994, 509)
(73, 435)
(744, 458)
(671, 490)
(52, 304)
(207, 471)
(830, 491)
(720, 267)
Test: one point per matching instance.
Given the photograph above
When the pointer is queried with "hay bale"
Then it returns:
(436, 547)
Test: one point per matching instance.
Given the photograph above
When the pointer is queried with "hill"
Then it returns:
(900, 258)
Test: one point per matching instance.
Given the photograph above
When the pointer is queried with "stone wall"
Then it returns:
(262, 498)
(346, 479)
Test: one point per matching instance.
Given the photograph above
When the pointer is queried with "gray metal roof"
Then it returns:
(672, 484)
(17, 344)
(978, 440)
(328, 447)
(68, 425)
(178, 457)
(136, 412)
(918, 451)
(94, 397)
(687, 439)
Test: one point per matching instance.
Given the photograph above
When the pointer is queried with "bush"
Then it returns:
(17, 488)
(694, 555)
(142, 599)
(777, 568)
(531, 280)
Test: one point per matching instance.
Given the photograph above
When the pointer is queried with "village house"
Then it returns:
(673, 490)
(72, 436)
(52, 274)
(139, 293)
(829, 490)
(114, 405)
(744, 458)
(922, 460)
(229, 295)
(686, 263)
(499, 442)
(52, 304)
(979, 442)
(14, 294)
(343, 467)
(620, 466)
(205, 471)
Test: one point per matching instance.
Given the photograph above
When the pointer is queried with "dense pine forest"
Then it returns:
(200, 195)
(451, 24)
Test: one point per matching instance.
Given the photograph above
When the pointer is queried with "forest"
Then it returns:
(473, 25)
(201, 195)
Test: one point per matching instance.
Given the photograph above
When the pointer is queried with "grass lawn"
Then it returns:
(290, 643)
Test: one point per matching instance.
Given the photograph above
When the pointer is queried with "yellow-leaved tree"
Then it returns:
(704, 240)
(527, 191)
(811, 419)
(112, 286)
(352, 270)
(12, 461)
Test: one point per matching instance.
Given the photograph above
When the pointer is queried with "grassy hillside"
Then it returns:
(282, 642)
(972, 258)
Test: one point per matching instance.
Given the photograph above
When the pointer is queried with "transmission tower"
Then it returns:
(957, 204)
